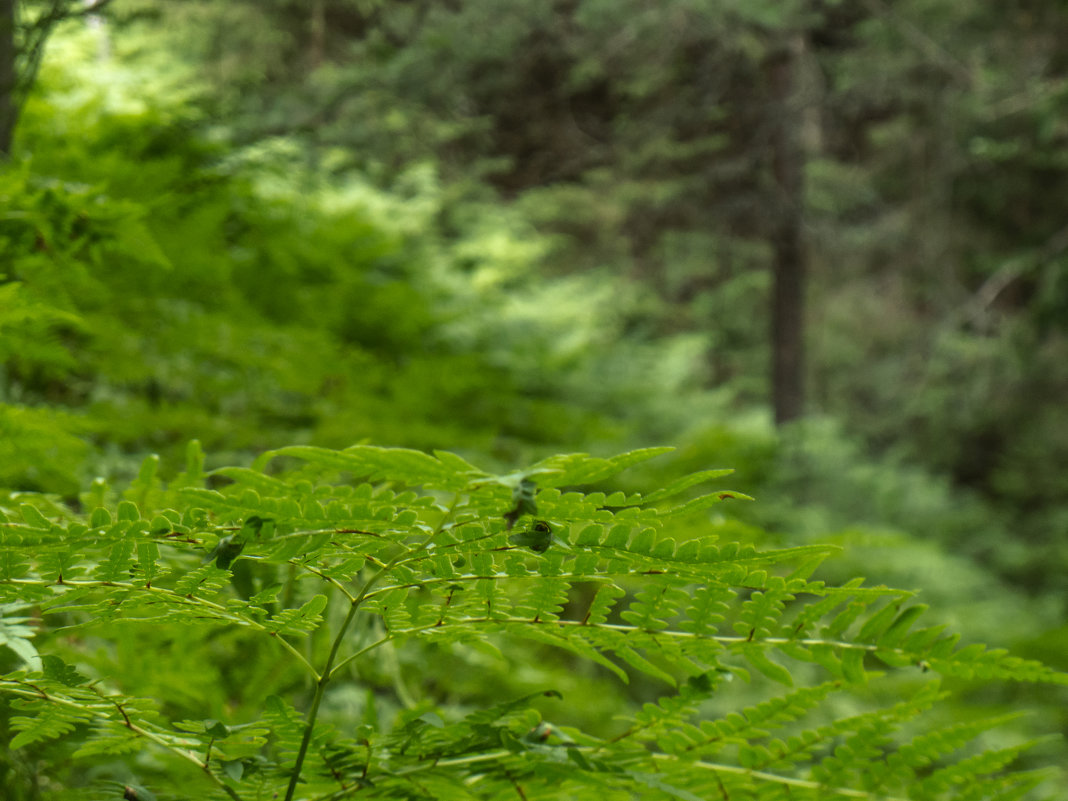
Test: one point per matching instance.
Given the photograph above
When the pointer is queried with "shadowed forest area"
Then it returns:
(823, 243)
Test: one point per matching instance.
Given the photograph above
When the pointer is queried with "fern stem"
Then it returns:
(329, 580)
(294, 652)
(489, 756)
(669, 633)
(313, 710)
(362, 651)
(472, 759)
(328, 667)
(181, 752)
(784, 780)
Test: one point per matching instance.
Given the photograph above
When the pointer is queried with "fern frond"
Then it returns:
(979, 776)
(579, 468)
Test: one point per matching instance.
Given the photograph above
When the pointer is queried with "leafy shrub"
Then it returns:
(164, 286)
(382, 623)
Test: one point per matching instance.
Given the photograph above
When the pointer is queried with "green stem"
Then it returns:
(665, 633)
(785, 781)
(470, 759)
(362, 651)
(317, 699)
(328, 668)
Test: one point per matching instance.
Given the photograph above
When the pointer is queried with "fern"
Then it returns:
(334, 562)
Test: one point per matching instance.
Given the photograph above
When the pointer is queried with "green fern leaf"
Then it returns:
(49, 722)
(303, 620)
(395, 464)
(579, 468)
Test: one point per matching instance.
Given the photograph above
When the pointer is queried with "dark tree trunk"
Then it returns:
(317, 45)
(788, 283)
(9, 108)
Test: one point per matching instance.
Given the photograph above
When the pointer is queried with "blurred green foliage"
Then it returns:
(170, 287)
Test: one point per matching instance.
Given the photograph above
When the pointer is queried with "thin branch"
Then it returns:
(88, 9)
(916, 36)
(1006, 275)
(36, 35)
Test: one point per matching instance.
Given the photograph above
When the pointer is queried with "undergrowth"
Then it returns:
(359, 623)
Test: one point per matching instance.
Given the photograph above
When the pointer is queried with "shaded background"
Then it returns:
(824, 243)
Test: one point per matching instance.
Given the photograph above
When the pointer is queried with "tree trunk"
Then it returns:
(788, 282)
(317, 48)
(9, 109)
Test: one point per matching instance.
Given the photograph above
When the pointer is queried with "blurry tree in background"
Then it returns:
(25, 26)
(789, 261)
(940, 224)
(7, 74)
